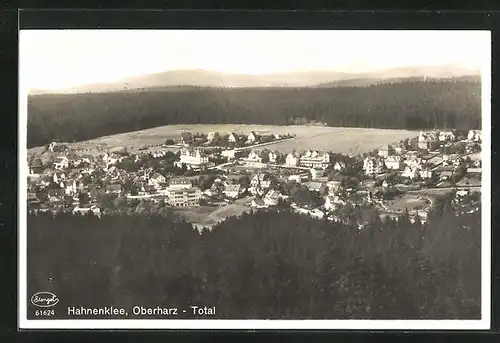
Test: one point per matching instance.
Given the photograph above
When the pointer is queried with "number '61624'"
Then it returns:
(44, 313)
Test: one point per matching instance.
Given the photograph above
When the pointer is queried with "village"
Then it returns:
(207, 178)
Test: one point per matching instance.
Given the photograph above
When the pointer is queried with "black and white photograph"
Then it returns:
(254, 179)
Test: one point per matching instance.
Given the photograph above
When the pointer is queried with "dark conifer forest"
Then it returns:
(261, 265)
(412, 104)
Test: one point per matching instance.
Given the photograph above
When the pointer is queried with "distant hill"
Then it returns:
(412, 104)
(204, 78)
(364, 82)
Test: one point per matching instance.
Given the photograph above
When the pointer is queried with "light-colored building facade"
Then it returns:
(210, 136)
(194, 159)
(315, 159)
(272, 157)
(180, 183)
(393, 163)
(292, 160)
(272, 198)
(383, 152)
(333, 186)
(232, 191)
(373, 165)
(252, 137)
(157, 180)
(61, 163)
(184, 197)
(232, 138)
(474, 135)
(260, 183)
(426, 173)
(253, 157)
(339, 166)
(410, 173)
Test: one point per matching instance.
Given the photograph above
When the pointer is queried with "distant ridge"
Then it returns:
(204, 78)
(374, 81)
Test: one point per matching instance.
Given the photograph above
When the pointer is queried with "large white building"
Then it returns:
(194, 159)
(181, 193)
(184, 197)
(315, 159)
(373, 165)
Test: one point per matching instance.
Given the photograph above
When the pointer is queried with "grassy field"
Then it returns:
(408, 201)
(341, 140)
(206, 216)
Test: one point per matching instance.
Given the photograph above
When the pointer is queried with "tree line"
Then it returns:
(266, 264)
(415, 104)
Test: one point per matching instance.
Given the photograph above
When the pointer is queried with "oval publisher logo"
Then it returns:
(44, 299)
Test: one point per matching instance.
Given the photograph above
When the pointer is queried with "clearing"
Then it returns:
(410, 202)
(207, 216)
(336, 139)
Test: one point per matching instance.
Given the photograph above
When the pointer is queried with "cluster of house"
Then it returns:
(188, 139)
(68, 173)
(413, 164)
(462, 204)
(260, 187)
(177, 192)
(409, 163)
(309, 159)
(431, 139)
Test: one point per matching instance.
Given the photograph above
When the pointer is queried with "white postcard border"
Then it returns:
(176, 324)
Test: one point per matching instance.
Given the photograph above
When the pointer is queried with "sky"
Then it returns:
(59, 59)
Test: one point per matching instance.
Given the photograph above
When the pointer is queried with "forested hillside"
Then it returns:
(405, 105)
(261, 265)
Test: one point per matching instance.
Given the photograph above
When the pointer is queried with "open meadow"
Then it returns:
(336, 139)
(409, 202)
(206, 216)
